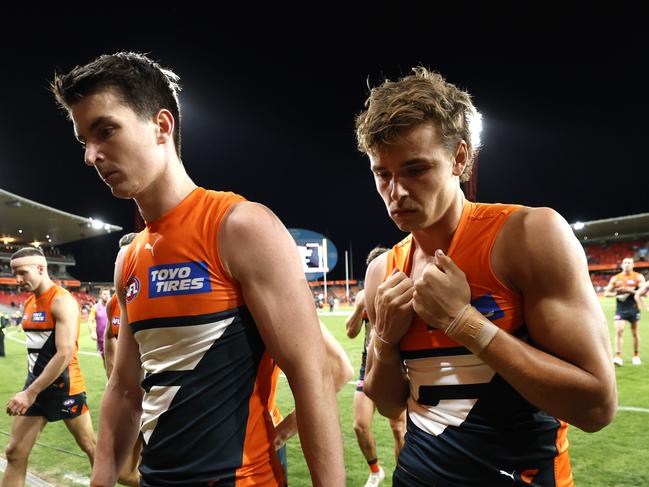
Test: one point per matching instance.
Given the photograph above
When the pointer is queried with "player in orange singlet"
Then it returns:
(114, 315)
(129, 474)
(487, 328)
(212, 295)
(623, 287)
(55, 389)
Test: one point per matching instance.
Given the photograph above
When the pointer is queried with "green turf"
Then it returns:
(614, 457)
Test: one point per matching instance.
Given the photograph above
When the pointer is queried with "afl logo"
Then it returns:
(132, 289)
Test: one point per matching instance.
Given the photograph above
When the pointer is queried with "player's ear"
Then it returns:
(460, 159)
(165, 123)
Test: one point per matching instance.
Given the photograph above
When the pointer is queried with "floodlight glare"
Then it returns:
(96, 224)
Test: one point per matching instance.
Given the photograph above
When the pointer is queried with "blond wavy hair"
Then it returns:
(421, 97)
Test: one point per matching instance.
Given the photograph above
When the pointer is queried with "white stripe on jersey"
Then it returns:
(173, 348)
(35, 341)
(156, 402)
(434, 420)
(444, 371)
(177, 348)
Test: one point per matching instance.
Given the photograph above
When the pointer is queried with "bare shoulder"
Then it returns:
(246, 219)
(252, 241)
(530, 222)
(64, 305)
(533, 243)
(119, 264)
(376, 272)
(373, 279)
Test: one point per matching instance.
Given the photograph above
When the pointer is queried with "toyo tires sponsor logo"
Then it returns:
(39, 316)
(177, 279)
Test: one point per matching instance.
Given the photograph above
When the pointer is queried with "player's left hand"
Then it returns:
(441, 292)
(20, 403)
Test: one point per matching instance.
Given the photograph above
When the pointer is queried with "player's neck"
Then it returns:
(164, 194)
(440, 234)
(45, 285)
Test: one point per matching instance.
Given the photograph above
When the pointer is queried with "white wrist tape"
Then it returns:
(472, 329)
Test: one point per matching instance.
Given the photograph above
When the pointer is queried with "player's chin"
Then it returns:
(404, 225)
(121, 192)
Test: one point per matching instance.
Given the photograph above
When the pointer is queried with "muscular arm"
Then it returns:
(121, 406)
(354, 322)
(65, 312)
(110, 343)
(259, 253)
(341, 372)
(639, 295)
(567, 372)
(385, 381)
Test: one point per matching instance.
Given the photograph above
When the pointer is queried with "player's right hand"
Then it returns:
(393, 307)
(20, 403)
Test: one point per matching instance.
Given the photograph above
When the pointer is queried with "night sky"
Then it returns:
(269, 104)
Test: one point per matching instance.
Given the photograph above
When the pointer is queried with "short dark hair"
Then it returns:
(27, 252)
(127, 239)
(141, 83)
(374, 253)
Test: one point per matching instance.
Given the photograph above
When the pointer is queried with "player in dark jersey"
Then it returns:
(623, 288)
(114, 318)
(54, 389)
(211, 293)
(129, 474)
(487, 327)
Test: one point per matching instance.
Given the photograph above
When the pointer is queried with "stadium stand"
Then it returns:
(608, 241)
(24, 222)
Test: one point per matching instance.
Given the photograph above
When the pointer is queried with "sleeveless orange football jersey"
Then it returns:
(466, 425)
(208, 378)
(40, 331)
(625, 305)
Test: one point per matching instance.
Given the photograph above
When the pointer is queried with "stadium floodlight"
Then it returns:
(475, 128)
(578, 226)
(96, 224)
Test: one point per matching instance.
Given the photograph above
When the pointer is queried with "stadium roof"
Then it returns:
(24, 221)
(623, 228)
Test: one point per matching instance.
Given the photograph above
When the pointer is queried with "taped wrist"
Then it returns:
(472, 329)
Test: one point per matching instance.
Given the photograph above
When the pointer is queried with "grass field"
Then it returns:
(614, 457)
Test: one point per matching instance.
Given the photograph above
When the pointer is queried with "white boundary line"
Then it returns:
(632, 408)
(11, 337)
